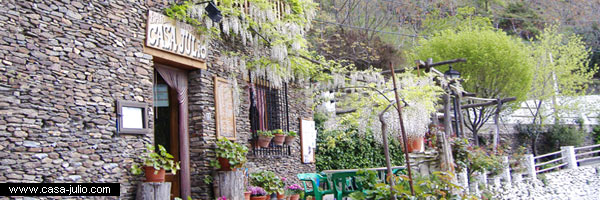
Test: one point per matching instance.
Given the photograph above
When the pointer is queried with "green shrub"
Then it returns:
(546, 139)
(350, 150)
(560, 135)
(596, 134)
(474, 158)
(438, 185)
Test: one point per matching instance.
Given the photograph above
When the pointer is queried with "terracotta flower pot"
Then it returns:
(279, 139)
(247, 195)
(289, 140)
(258, 198)
(225, 166)
(264, 141)
(295, 197)
(152, 177)
(415, 145)
(280, 196)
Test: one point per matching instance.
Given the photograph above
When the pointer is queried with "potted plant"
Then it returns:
(264, 138)
(421, 94)
(155, 164)
(258, 193)
(247, 195)
(279, 137)
(294, 191)
(268, 181)
(281, 185)
(229, 155)
(290, 136)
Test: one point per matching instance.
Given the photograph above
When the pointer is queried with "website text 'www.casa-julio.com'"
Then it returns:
(59, 189)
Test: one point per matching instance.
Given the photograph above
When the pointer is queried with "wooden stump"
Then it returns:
(229, 184)
(153, 191)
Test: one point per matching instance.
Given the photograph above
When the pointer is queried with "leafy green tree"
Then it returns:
(498, 66)
(519, 18)
(561, 70)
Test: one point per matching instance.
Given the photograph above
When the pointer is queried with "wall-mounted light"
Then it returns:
(213, 12)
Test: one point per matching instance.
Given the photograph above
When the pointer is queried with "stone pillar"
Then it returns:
(517, 177)
(568, 154)
(506, 170)
(483, 177)
(529, 163)
(463, 180)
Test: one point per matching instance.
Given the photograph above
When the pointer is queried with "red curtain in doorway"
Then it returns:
(177, 79)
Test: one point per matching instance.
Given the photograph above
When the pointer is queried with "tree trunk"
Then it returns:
(153, 191)
(229, 184)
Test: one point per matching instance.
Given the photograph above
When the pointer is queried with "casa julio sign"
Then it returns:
(175, 37)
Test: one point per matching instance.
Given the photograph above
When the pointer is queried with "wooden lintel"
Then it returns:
(174, 60)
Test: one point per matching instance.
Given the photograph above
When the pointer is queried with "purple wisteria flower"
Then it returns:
(222, 198)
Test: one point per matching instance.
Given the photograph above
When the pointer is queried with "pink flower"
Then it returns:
(283, 179)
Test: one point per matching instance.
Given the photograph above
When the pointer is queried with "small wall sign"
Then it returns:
(308, 140)
(225, 109)
(166, 34)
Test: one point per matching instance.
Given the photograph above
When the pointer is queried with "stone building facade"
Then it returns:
(64, 65)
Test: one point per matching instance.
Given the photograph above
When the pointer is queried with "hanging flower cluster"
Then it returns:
(419, 95)
(274, 30)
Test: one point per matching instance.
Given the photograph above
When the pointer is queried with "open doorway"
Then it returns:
(166, 125)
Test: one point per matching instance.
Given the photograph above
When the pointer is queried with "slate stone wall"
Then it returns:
(202, 126)
(63, 66)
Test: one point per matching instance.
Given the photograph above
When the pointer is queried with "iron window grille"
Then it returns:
(269, 110)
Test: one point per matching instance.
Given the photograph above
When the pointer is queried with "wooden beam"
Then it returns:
(488, 103)
(427, 66)
(340, 112)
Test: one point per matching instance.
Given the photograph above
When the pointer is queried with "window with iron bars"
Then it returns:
(268, 111)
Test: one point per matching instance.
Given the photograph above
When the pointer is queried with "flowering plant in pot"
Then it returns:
(264, 138)
(155, 164)
(267, 180)
(295, 191)
(257, 193)
(230, 155)
(421, 94)
(281, 187)
(279, 137)
(290, 136)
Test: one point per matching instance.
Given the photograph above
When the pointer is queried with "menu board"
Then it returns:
(225, 116)
(308, 140)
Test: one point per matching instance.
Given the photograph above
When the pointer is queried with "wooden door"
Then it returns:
(174, 142)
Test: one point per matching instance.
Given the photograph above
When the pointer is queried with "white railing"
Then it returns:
(587, 153)
(568, 157)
